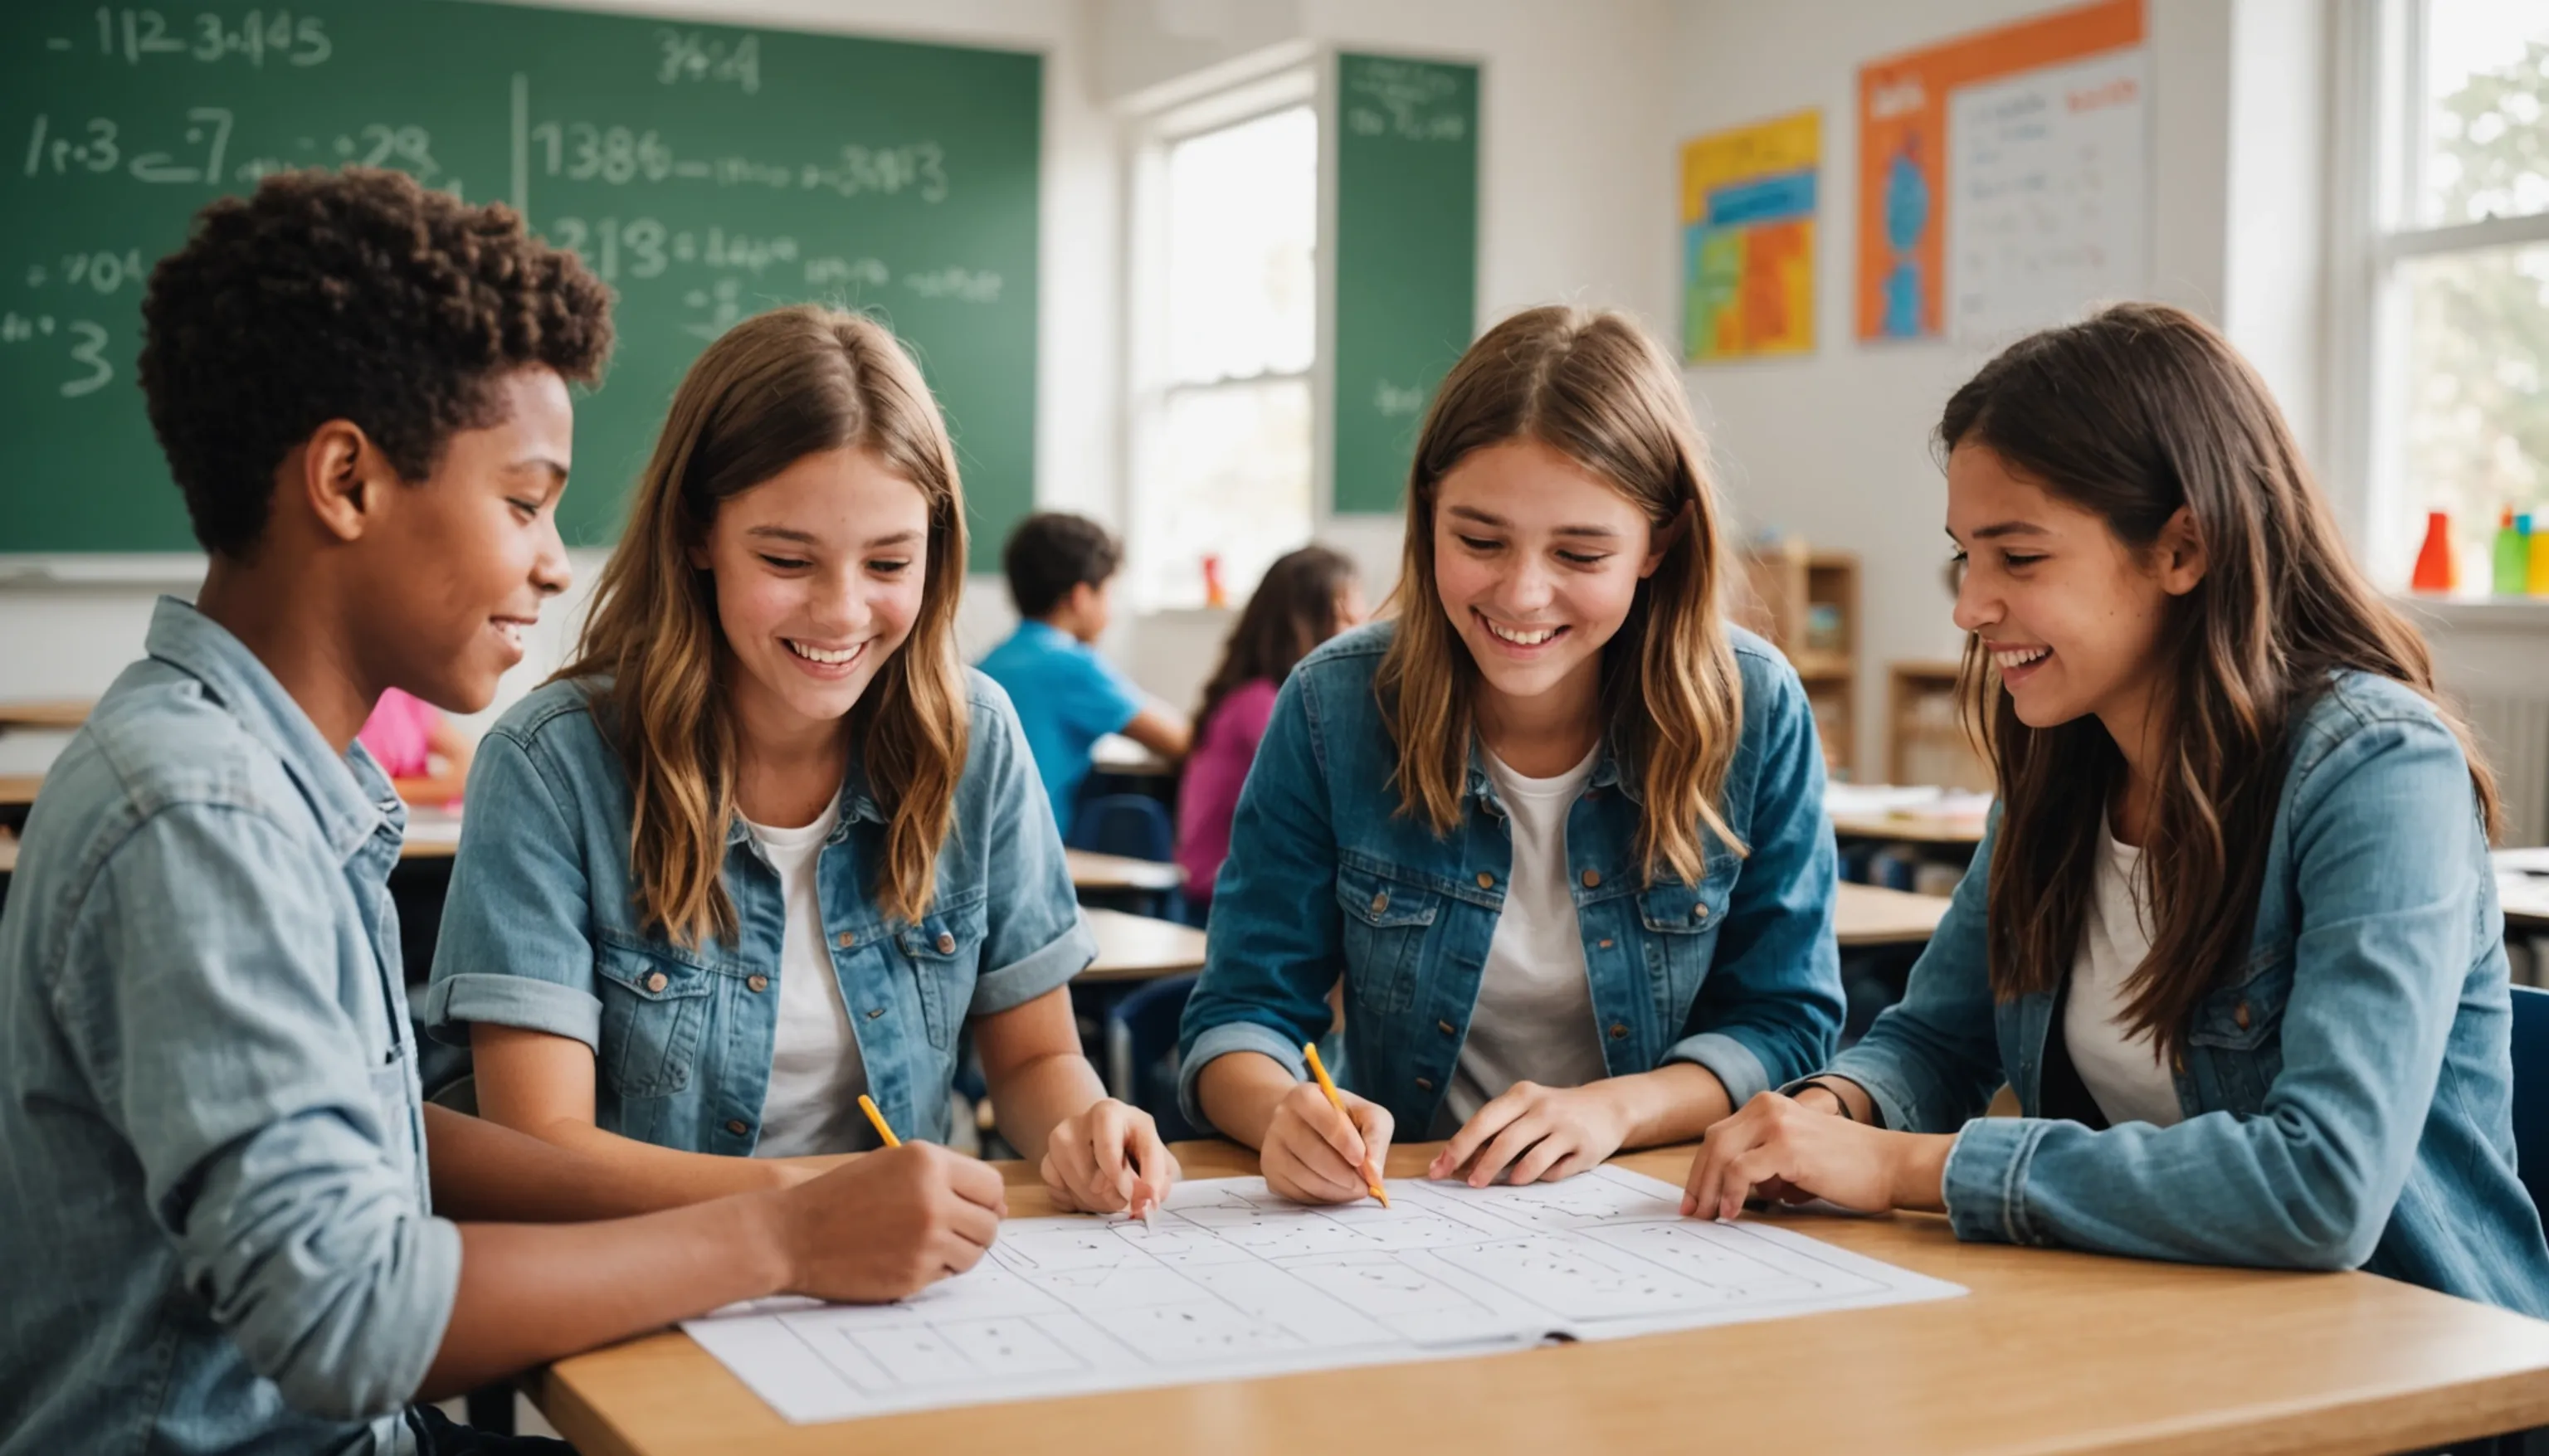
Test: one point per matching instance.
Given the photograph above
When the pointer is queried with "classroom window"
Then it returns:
(2460, 318)
(1226, 295)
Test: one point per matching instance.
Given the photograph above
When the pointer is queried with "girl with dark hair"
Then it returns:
(1305, 598)
(2233, 937)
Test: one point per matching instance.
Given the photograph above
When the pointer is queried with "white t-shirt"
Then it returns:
(1533, 1018)
(816, 1071)
(2122, 1071)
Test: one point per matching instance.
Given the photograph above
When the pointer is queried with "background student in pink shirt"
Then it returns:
(424, 756)
(1307, 597)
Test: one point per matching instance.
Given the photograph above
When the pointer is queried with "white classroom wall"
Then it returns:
(1575, 198)
(1835, 446)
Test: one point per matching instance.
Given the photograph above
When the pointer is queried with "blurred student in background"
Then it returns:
(1060, 568)
(1305, 598)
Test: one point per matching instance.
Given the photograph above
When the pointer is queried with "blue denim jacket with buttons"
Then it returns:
(2347, 1094)
(1328, 878)
(541, 930)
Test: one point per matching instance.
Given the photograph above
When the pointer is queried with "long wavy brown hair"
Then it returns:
(771, 391)
(2135, 413)
(1292, 611)
(1593, 386)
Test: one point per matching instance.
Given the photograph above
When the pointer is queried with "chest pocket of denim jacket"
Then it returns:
(945, 953)
(654, 1007)
(1385, 924)
(2237, 1032)
(1679, 925)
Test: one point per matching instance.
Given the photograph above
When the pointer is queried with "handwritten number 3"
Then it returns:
(88, 351)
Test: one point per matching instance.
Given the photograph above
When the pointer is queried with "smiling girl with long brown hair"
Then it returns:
(764, 846)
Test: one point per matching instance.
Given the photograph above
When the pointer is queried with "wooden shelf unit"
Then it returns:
(1806, 602)
(1924, 736)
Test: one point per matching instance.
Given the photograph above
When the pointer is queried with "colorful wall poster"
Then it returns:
(2004, 176)
(1748, 220)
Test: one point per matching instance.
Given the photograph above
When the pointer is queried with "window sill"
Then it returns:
(2515, 615)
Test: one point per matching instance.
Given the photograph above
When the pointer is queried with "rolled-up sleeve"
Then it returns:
(2391, 867)
(219, 1040)
(1772, 1006)
(515, 946)
(1034, 939)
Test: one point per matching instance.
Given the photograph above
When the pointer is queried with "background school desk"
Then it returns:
(1915, 828)
(1865, 916)
(1137, 948)
(2119, 1355)
(54, 715)
(1092, 871)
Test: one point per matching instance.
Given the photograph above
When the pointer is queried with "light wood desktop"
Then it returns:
(1137, 948)
(2051, 1351)
(1116, 754)
(1910, 828)
(1090, 870)
(54, 715)
(1865, 915)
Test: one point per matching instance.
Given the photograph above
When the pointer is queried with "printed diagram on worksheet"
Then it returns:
(1232, 1282)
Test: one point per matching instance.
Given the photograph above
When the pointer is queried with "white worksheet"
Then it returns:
(1232, 1282)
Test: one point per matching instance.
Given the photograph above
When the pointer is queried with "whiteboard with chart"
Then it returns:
(1231, 1282)
(705, 171)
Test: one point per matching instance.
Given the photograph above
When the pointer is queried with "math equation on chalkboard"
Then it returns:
(705, 172)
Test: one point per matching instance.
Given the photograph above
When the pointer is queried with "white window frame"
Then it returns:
(1290, 81)
(2377, 117)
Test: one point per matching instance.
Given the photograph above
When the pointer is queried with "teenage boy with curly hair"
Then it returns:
(226, 1217)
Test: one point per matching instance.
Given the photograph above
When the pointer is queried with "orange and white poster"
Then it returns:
(2004, 177)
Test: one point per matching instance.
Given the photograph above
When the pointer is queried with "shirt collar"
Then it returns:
(348, 795)
(1610, 771)
(856, 802)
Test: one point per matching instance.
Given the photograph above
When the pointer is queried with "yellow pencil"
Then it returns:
(877, 1118)
(1370, 1179)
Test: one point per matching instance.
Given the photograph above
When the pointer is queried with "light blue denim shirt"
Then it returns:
(542, 929)
(2347, 1096)
(1738, 973)
(215, 1230)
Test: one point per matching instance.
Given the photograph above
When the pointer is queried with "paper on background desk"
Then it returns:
(1235, 1282)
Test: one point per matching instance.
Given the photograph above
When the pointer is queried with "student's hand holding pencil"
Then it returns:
(887, 1224)
(1321, 1151)
(1109, 1159)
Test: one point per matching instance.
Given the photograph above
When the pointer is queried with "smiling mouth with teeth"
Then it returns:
(829, 659)
(1532, 638)
(2009, 659)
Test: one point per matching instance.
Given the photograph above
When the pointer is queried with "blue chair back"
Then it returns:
(2531, 1091)
(1142, 1051)
(1128, 824)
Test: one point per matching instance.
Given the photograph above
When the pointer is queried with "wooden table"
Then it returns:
(1116, 754)
(1913, 829)
(1872, 915)
(2050, 1352)
(1137, 948)
(59, 715)
(1090, 870)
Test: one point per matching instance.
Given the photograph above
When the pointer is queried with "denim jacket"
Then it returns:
(2347, 1094)
(541, 930)
(215, 1233)
(1327, 879)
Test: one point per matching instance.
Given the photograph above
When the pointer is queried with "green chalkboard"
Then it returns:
(1407, 259)
(708, 172)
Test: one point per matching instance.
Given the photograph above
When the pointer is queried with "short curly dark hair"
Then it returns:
(353, 295)
(1051, 552)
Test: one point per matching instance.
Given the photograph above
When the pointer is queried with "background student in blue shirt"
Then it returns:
(1062, 570)
(2233, 935)
(225, 1217)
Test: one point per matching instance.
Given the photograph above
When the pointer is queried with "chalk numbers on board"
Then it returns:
(210, 37)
